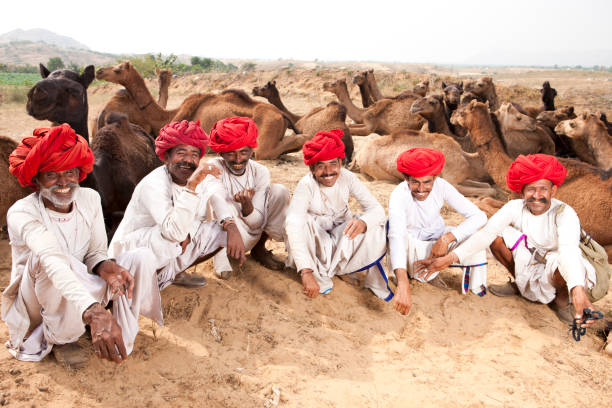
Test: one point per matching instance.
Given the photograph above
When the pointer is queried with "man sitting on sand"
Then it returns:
(257, 207)
(323, 238)
(168, 206)
(536, 238)
(61, 277)
(417, 230)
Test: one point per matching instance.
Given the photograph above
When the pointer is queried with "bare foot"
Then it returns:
(311, 287)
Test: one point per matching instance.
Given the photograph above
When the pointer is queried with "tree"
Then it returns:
(55, 63)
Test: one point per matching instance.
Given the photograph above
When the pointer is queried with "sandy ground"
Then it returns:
(231, 343)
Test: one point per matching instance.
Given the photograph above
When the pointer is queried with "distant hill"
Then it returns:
(33, 53)
(42, 35)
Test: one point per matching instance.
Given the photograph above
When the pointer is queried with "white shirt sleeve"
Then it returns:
(474, 217)
(295, 223)
(262, 184)
(98, 247)
(397, 229)
(568, 235)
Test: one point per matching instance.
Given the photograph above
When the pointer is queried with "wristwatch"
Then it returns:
(225, 220)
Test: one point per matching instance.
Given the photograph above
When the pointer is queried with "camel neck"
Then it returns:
(364, 90)
(376, 94)
(437, 123)
(275, 100)
(157, 115)
(353, 111)
(600, 144)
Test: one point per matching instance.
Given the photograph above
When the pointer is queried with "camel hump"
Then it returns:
(7, 146)
(380, 106)
(239, 93)
(190, 105)
(116, 117)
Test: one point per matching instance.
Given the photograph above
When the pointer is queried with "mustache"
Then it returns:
(329, 175)
(539, 200)
(191, 165)
(56, 187)
(237, 163)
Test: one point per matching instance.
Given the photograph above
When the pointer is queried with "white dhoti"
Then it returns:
(333, 253)
(32, 304)
(277, 201)
(474, 267)
(533, 277)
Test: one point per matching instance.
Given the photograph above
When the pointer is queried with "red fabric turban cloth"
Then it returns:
(177, 133)
(420, 162)
(324, 146)
(232, 134)
(527, 169)
(50, 149)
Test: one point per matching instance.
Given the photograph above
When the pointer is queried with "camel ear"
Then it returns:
(273, 82)
(474, 101)
(486, 103)
(443, 85)
(87, 76)
(44, 72)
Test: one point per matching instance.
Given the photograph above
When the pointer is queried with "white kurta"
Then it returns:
(51, 281)
(316, 219)
(415, 225)
(555, 237)
(270, 204)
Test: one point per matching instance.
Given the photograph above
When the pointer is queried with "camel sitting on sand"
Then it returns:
(587, 189)
(377, 159)
(522, 134)
(332, 116)
(10, 189)
(208, 109)
(590, 139)
(61, 97)
(484, 89)
(384, 117)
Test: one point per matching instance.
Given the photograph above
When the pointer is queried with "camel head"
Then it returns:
(335, 87)
(552, 118)
(470, 114)
(163, 75)
(452, 93)
(580, 127)
(468, 97)
(511, 119)
(267, 91)
(421, 88)
(119, 74)
(548, 96)
(61, 96)
(481, 87)
(428, 106)
(360, 78)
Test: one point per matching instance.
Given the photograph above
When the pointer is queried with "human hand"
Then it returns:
(581, 301)
(235, 246)
(403, 300)
(440, 247)
(185, 243)
(105, 334)
(244, 198)
(117, 278)
(424, 268)
(354, 228)
(204, 169)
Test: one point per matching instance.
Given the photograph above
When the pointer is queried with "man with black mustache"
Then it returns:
(324, 238)
(257, 207)
(536, 238)
(167, 212)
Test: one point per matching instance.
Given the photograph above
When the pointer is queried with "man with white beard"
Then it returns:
(62, 278)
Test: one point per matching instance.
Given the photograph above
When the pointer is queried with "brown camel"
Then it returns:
(421, 88)
(432, 109)
(122, 101)
(61, 97)
(484, 89)
(590, 139)
(208, 109)
(362, 82)
(10, 189)
(548, 102)
(384, 117)
(587, 189)
(549, 119)
(522, 134)
(377, 159)
(124, 153)
(332, 116)
(373, 86)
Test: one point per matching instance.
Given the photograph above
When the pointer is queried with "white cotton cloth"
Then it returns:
(415, 225)
(316, 219)
(554, 236)
(270, 203)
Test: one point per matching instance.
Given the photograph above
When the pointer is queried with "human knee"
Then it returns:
(280, 193)
(139, 261)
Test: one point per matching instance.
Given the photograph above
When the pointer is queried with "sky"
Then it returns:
(515, 32)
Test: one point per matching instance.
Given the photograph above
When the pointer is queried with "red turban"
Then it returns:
(420, 162)
(234, 133)
(177, 133)
(50, 149)
(527, 169)
(324, 146)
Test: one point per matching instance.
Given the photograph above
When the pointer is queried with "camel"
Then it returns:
(522, 134)
(550, 119)
(208, 109)
(10, 189)
(366, 96)
(548, 102)
(590, 138)
(432, 109)
(384, 117)
(124, 153)
(421, 88)
(587, 189)
(452, 96)
(484, 89)
(332, 116)
(122, 101)
(604, 119)
(465, 171)
(61, 97)
(373, 86)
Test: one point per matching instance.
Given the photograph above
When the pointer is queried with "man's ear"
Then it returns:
(553, 191)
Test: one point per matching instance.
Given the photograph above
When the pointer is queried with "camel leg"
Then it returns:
(287, 144)
(360, 130)
(474, 183)
(475, 191)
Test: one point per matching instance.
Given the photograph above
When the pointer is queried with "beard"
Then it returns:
(57, 201)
